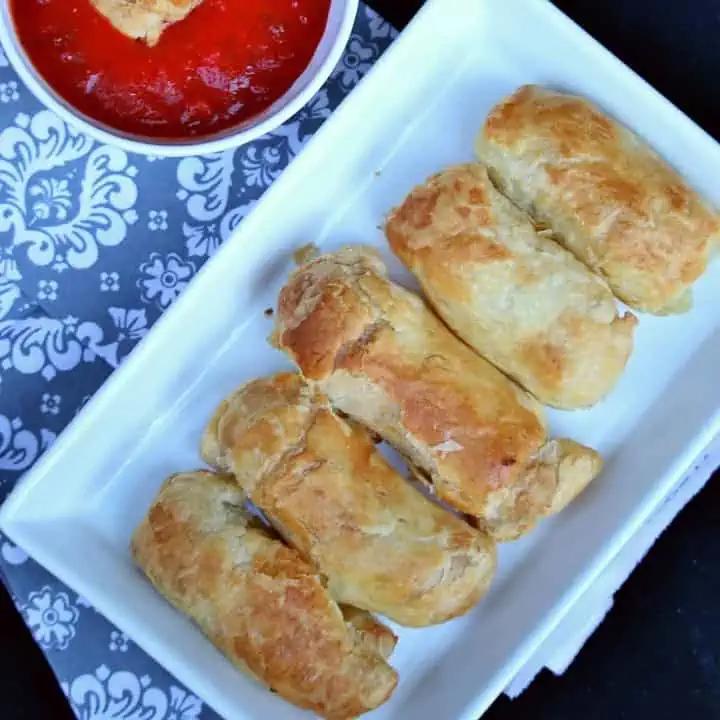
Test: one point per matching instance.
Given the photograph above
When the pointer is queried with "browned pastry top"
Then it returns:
(615, 202)
(325, 486)
(258, 601)
(516, 296)
(384, 358)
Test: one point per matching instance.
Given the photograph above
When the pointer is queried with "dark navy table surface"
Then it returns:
(658, 653)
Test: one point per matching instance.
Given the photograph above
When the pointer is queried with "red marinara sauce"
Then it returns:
(224, 63)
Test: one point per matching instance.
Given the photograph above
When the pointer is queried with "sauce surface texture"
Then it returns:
(223, 64)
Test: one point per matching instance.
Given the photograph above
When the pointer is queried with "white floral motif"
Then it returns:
(120, 695)
(356, 61)
(47, 290)
(109, 282)
(51, 617)
(19, 447)
(201, 240)
(37, 213)
(183, 705)
(50, 404)
(9, 92)
(204, 239)
(263, 161)
(131, 326)
(52, 199)
(46, 345)
(313, 114)
(157, 220)
(60, 265)
(118, 641)
(205, 183)
(205, 187)
(70, 323)
(164, 280)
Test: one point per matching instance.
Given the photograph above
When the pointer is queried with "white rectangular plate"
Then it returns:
(418, 111)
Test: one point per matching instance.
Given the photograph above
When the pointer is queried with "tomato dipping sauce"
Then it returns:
(224, 63)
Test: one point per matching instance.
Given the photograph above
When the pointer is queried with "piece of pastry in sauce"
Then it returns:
(513, 294)
(383, 358)
(330, 493)
(144, 19)
(258, 601)
(605, 194)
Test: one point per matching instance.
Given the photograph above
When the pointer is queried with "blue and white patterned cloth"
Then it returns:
(94, 245)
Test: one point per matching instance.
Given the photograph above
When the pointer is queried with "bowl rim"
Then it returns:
(337, 33)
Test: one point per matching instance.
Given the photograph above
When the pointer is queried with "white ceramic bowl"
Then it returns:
(336, 35)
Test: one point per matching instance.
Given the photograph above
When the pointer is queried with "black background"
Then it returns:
(657, 655)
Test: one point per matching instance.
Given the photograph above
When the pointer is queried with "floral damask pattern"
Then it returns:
(95, 245)
(20, 447)
(51, 617)
(162, 280)
(122, 695)
(62, 220)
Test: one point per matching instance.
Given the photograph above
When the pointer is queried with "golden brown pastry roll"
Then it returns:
(606, 195)
(517, 297)
(382, 357)
(331, 494)
(258, 601)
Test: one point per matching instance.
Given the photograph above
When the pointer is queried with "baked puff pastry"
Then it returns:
(258, 601)
(515, 296)
(325, 487)
(605, 194)
(144, 20)
(383, 358)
